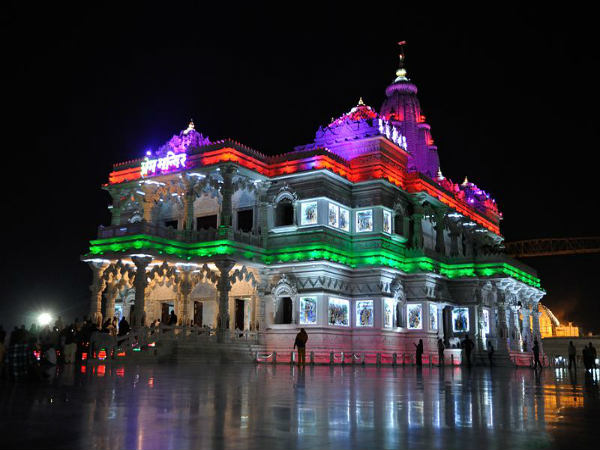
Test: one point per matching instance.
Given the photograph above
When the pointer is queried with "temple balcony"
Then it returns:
(187, 236)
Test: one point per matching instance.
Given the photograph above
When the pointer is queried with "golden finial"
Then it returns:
(190, 127)
(360, 102)
(401, 72)
(464, 183)
(439, 174)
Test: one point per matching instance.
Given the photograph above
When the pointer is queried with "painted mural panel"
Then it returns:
(460, 320)
(486, 321)
(433, 318)
(388, 313)
(344, 219)
(364, 313)
(333, 216)
(387, 222)
(339, 312)
(308, 212)
(364, 220)
(414, 315)
(308, 310)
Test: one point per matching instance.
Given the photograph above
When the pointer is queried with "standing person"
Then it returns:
(123, 327)
(300, 342)
(468, 346)
(490, 353)
(536, 355)
(172, 319)
(572, 356)
(586, 357)
(440, 352)
(419, 357)
(593, 355)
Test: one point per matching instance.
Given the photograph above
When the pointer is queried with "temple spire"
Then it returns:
(401, 72)
(360, 102)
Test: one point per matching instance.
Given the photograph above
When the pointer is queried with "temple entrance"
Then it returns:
(286, 310)
(166, 309)
(198, 309)
(239, 313)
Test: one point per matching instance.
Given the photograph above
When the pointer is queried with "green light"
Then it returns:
(395, 256)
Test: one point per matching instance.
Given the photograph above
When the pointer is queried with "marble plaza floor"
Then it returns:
(124, 406)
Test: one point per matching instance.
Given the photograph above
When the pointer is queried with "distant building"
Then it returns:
(551, 327)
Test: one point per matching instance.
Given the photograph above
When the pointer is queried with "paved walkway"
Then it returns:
(124, 406)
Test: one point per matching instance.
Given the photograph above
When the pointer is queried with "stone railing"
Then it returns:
(189, 236)
(199, 334)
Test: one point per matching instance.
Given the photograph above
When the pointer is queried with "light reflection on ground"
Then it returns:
(247, 406)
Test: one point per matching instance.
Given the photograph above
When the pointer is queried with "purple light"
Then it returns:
(148, 152)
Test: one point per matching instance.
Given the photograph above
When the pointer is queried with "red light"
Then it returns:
(83, 356)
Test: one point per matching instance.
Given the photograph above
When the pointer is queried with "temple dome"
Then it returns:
(360, 112)
(187, 138)
(402, 109)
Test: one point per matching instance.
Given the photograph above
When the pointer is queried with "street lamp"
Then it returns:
(44, 319)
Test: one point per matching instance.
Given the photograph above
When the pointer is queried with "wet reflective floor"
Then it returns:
(122, 406)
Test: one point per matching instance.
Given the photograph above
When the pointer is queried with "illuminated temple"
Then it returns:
(357, 237)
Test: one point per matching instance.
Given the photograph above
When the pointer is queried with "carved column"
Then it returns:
(527, 339)
(502, 326)
(263, 207)
(440, 245)
(116, 208)
(96, 288)
(536, 327)
(227, 172)
(515, 334)
(223, 287)
(185, 289)
(111, 295)
(417, 234)
(140, 282)
(454, 235)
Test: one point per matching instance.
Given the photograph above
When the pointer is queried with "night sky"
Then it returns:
(511, 96)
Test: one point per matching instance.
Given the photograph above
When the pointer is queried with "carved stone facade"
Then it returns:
(345, 237)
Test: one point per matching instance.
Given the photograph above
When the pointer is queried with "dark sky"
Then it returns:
(511, 95)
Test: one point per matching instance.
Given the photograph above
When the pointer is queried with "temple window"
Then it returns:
(399, 224)
(284, 311)
(245, 220)
(171, 224)
(205, 222)
(284, 213)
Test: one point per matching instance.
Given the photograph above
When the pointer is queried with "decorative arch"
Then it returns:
(285, 288)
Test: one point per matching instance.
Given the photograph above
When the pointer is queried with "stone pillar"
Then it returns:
(116, 209)
(140, 282)
(440, 312)
(536, 327)
(502, 327)
(227, 172)
(188, 210)
(454, 235)
(515, 334)
(185, 289)
(223, 288)
(96, 288)
(526, 329)
(440, 246)
(417, 234)
(263, 208)
(111, 295)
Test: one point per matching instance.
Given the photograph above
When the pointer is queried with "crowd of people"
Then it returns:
(28, 352)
